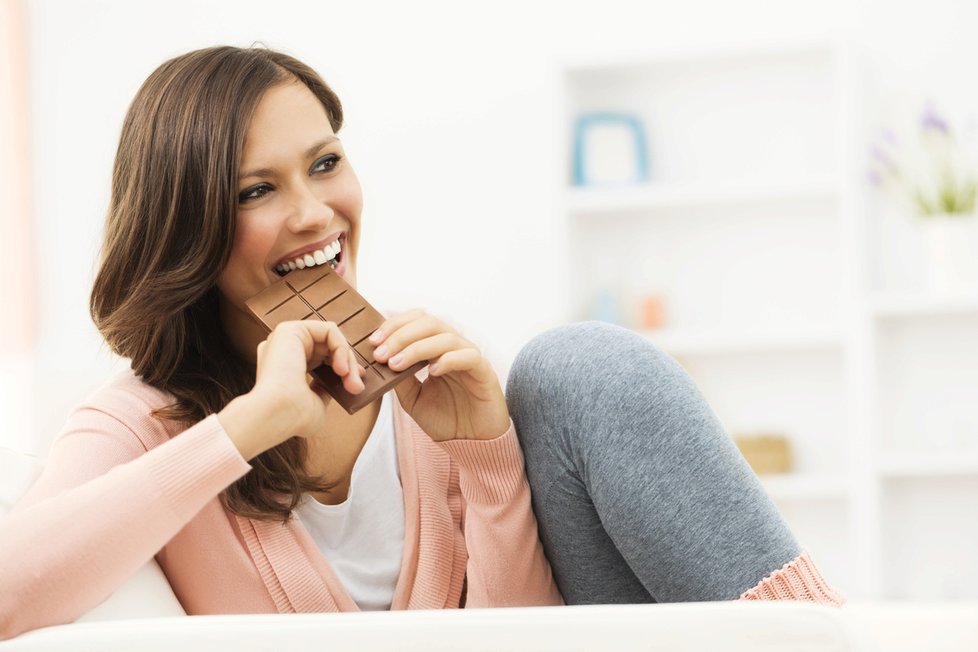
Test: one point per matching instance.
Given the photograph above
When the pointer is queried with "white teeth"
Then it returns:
(327, 254)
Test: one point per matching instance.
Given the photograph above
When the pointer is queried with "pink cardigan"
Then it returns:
(120, 487)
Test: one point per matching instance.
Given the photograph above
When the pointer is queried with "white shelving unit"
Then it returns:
(689, 343)
(754, 231)
(806, 486)
(601, 201)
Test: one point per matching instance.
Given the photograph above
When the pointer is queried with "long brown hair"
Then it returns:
(169, 231)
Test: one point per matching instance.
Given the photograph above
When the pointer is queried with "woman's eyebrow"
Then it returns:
(265, 172)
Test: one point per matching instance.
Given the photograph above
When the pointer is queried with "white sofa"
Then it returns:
(144, 614)
(694, 627)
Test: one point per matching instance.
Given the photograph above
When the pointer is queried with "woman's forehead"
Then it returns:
(289, 120)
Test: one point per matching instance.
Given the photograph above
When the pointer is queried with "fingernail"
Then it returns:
(381, 351)
(376, 337)
(396, 359)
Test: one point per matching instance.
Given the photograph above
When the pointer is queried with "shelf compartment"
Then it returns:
(806, 486)
(604, 64)
(928, 371)
(895, 306)
(589, 201)
(740, 267)
(800, 395)
(929, 530)
(688, 343)
(749, 116)
(930, 465)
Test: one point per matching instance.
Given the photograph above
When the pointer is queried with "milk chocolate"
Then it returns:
(320, 293)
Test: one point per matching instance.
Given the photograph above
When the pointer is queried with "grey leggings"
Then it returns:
(640, 494)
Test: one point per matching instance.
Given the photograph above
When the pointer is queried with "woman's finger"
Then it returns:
(329, 345)
(426, 349)
(395, 322)
(341, 358)
(425, 326)
(324, 343)
(470, 361)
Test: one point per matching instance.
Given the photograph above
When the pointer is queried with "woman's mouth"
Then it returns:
(331, 254)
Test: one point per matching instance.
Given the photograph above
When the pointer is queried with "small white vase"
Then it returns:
(950, 247)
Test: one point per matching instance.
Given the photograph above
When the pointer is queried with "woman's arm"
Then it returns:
(507, 566)
(104, 505)
(461, 406)
(101, 509)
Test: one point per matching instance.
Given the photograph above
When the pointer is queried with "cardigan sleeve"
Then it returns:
(507, 566)
(103, 507)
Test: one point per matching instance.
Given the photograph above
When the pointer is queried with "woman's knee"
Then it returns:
(590, 364)
(573, 353)
(546, 371)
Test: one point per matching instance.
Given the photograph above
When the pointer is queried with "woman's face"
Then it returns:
(297, 198)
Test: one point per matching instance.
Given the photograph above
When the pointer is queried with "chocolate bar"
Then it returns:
(320, 293)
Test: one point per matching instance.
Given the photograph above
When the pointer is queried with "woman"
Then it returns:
(257, 493)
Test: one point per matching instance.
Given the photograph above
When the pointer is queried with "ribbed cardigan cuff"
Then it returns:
(490, 471)
(799, 579)
(201, 462)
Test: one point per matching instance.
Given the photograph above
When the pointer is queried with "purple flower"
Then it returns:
(883, 157)
(931, 120)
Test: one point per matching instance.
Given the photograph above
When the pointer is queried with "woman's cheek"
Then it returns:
(254, 237)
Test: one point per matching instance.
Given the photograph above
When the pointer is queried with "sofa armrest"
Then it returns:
(683, 627)
(145, 594)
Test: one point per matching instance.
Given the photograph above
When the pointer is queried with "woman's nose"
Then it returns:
(309, 213)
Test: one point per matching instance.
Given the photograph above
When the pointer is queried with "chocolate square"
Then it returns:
(320, 293)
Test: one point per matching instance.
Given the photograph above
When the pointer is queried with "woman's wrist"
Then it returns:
(257, 421)
(490, 433)
(494, 426)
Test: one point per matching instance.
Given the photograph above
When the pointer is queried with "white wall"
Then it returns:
(450, 124)
(16, 327)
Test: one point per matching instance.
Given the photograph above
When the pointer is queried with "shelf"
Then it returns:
(778, 50)
(895, 306)
(929, 465)
(805, 486)
(683, 343)
(656, 196)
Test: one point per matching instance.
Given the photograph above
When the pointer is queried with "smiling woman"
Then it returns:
(253, 489)
(16, 287)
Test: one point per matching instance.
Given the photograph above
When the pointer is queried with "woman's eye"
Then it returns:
(255, 192)
(326, 164)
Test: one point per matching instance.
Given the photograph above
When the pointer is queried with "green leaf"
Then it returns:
(922, 202)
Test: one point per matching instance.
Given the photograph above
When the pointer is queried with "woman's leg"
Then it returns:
(640, 494)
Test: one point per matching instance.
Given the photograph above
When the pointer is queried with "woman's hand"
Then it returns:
(289, 353)
(284, 403)
(461, 397)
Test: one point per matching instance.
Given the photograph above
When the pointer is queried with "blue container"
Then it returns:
(639, 172)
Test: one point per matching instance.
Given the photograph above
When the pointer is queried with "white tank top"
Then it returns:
(362, 538)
